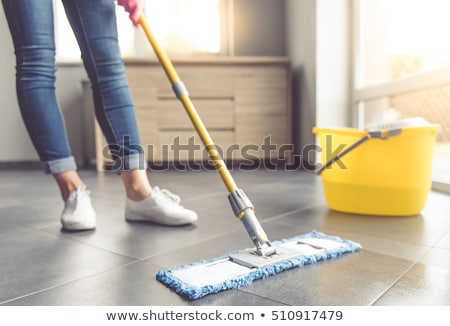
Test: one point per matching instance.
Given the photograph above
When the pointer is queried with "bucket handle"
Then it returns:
(379, 134)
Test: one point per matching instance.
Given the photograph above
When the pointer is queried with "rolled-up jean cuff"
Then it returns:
(60, 165)
(130, 162)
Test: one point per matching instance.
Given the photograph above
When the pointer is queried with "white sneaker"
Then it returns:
(78, 213)
(162, 207)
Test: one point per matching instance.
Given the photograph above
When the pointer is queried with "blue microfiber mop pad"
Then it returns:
(227, 275)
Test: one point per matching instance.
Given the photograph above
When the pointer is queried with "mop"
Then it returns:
(239, 268)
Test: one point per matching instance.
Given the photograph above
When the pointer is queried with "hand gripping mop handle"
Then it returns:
(241, 205)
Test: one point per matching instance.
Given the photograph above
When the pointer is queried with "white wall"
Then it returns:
(318, 39)
(301, 47)
(259, 27)
(69, 91)
(333, 63)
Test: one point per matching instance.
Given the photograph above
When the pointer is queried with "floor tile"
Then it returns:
(404, 260)
(130, 285)
(427, 283)
(416, 230)
(355, 279)
(34, 260)
(444, 242)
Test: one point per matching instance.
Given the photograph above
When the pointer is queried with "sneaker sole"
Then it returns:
(78, 227)
(148, 220)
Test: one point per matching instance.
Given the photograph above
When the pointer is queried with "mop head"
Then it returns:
(232, 270)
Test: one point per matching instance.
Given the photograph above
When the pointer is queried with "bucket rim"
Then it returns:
(348, 131)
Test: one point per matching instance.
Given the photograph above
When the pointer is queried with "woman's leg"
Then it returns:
(68, 182)
(94, 24)
(95, 27)
(32, 31)
(136, 184)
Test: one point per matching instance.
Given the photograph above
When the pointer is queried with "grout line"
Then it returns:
(437, 241)
(68, 282)
(391, 285)
(297, 210)
(262, 297)
(65, 237)
(399, 278)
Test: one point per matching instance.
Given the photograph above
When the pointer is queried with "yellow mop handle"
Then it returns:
(189, 106)
(240, 203)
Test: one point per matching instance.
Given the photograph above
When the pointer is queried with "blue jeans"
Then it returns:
(94, 24)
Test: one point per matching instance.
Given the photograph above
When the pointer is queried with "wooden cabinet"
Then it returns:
(242, 102)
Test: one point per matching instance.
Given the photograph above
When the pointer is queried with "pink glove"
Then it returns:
(134, 8)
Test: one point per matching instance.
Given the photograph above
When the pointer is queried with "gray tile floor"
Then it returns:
(404, 260)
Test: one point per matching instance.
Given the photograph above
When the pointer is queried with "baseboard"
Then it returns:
(21, 165)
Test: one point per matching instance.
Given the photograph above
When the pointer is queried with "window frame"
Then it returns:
(362, 93)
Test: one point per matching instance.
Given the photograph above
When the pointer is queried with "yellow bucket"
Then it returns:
(389, 175)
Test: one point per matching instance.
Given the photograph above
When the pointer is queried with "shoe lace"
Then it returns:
(75, 197)
(170, 195)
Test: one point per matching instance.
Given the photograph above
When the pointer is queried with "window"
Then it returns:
(183, 27)
(186, 26)
(402, 68)
(403, 37)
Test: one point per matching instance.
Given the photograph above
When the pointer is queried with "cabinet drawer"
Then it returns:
(187, 145)
(215, 114)
(203, 81)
